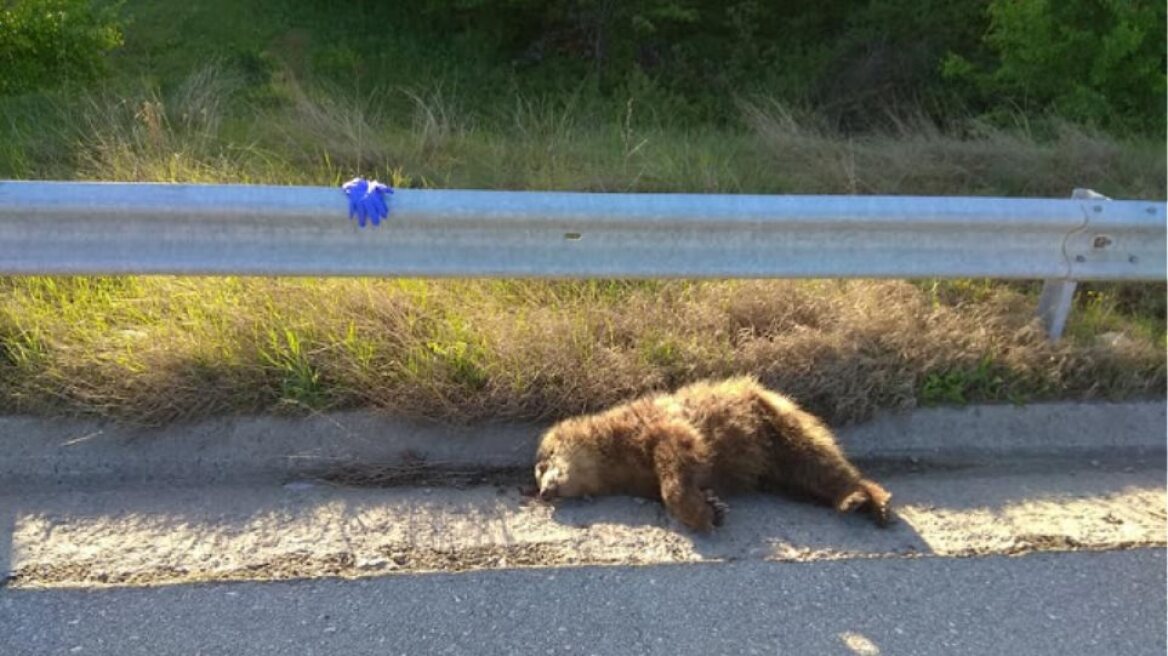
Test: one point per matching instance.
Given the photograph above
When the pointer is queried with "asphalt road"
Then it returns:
(1055, 603)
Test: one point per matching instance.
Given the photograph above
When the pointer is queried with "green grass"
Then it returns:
(158, 349)
(203, 131)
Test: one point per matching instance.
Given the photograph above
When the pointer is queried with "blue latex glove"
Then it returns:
(367, 200)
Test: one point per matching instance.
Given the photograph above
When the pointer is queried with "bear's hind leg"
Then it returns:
(870, 496)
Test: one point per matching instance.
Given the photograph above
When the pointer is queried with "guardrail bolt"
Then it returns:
(1080, 258)
(1133, 259)
(1101, 241)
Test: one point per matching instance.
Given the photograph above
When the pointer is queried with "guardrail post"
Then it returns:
(1054, 305)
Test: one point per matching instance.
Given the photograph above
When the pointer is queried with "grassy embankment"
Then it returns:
(157, 349)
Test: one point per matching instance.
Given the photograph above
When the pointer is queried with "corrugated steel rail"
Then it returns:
(132, 228)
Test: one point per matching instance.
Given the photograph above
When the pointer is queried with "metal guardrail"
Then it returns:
(130, 228)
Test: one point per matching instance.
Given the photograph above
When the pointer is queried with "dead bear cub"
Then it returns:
(708, 439)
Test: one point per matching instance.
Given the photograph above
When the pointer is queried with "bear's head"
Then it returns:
(568, 462)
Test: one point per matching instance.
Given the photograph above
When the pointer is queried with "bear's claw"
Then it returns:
(879, 503)
(719, 507)
(882, 514)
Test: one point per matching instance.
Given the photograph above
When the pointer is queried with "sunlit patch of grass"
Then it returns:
(1118, 312)
(158, 349)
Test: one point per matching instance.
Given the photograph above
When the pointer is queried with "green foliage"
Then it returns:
(857, 64)
(702, 50)
(887, 58)
(960, 385)
(454, 351)
(1118, 309)
(45, 43)
(1092, 61)
(299, 379)
(1098, 62)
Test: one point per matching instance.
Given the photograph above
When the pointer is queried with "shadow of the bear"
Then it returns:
(756, 526)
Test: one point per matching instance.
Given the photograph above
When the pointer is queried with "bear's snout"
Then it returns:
(548, 479)
(548, 492)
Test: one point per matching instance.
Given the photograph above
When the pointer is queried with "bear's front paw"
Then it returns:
(718, 506)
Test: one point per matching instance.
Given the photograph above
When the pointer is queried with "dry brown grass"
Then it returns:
(915, 157)
(203, 132)
(162, 349)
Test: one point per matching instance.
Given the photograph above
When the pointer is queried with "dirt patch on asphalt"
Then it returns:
(153, 536)
(415, 471)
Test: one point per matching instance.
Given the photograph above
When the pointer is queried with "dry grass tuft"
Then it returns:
(918, 158)
(150, 137)
(156, 350)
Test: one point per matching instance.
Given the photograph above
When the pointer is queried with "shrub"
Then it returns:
(1098, 62)
(44, 43)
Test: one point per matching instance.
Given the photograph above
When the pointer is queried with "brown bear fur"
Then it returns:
(708, 439)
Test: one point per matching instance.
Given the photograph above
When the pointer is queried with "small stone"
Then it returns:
(1113, 339)
(330, 629)
(375, 562)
